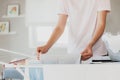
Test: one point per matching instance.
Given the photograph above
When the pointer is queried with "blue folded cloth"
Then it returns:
(12, 73)
(36, 73)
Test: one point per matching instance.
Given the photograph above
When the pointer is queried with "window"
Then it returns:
(39, 35)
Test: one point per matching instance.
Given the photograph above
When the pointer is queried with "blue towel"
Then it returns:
(12, 73)
(36, 73)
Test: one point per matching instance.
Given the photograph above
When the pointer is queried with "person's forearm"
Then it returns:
(100, 27)
(59, 29)
(55, 36)
(97, 35)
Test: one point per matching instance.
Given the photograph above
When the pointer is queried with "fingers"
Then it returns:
(38, 56)
(41, 50)
(38, 50)
(86, 56)
(38, 53)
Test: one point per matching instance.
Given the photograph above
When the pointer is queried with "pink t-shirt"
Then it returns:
(82, 20)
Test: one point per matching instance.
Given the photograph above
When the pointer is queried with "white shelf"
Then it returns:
(20, 16)
(9, 33)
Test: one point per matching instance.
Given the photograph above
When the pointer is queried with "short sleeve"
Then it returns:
(104, 5)
(62, 7)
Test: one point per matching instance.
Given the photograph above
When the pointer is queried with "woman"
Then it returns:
(87, 23)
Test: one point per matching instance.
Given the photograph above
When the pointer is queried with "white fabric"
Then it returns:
(82, 17)
(56, 59)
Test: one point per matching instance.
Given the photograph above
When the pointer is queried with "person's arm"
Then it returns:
(59, 29)
(100, 27)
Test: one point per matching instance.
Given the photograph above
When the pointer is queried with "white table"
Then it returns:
(79, 72)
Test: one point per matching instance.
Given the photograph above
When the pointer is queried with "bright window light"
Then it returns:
(40, 35)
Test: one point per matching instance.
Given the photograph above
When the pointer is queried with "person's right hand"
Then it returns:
(41, 50)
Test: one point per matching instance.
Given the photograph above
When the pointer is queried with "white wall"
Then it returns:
(19, 41)
(113, 21)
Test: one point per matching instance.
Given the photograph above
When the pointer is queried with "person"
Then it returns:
(87, 19)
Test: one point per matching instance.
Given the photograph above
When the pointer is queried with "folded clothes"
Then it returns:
(57, 59)
(36, 73)
(114, 56)
(12, 73)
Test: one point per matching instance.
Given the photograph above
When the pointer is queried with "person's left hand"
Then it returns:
(87, 53)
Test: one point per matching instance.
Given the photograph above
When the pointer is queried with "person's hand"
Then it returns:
(87, 53)
(41, 50)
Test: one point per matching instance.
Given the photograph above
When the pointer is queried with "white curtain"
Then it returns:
(41, 12)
